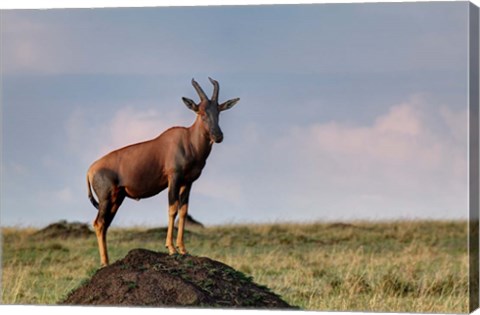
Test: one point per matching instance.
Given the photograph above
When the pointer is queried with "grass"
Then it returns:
(404, 266)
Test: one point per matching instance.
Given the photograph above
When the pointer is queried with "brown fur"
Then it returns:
(174, 159)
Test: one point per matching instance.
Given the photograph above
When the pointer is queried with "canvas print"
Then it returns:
(319, 157)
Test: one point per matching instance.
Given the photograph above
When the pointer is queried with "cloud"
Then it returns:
(54, 197)
(131, 126)
(399, 136)
(456, 121)
(128, 126)
(75, 41)
(19, 169)
(409, 161)
(92, 139)
(162, 41)
(399, 162)
(64, 195)
(220, 188)
(25, 49)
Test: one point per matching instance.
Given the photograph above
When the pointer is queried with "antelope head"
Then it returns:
(209, 109)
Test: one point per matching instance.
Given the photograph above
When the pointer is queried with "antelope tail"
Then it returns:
(90, 195)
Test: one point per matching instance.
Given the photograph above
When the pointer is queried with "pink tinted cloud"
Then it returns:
(400, 162)
(127, 125)
(399, 136)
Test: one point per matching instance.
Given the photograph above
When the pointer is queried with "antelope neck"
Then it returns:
(200, 138)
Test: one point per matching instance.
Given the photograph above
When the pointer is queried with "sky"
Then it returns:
(347, 111)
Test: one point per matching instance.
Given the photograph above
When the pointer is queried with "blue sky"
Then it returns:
(347, 111)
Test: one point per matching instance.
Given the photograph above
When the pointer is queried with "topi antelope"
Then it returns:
(174, 159)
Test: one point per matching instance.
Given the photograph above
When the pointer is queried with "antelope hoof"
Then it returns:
(171, 250)
(182, 251)
(104, 262)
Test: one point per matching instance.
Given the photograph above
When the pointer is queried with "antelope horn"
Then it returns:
(216, 89)
(203, 96)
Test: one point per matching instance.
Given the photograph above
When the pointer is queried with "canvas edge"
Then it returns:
(473, 103)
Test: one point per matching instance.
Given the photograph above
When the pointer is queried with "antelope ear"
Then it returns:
(190, 104)
(228, 104)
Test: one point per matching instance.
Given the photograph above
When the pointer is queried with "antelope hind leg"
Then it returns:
(106, 212)
(101, 232)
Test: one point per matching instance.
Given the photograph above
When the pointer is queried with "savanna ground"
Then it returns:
(405, 266)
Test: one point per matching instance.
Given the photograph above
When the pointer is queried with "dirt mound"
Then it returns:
(344, 226)
(341, 225)
(64, 229)
(158, 233)
(147, 278)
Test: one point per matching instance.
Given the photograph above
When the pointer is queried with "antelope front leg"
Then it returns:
(184, 194)
(172, 213)
(173, 196)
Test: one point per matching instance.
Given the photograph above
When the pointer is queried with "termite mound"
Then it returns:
(63, 229)
(147, 278)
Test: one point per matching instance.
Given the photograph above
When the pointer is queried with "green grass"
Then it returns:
(410, 266)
